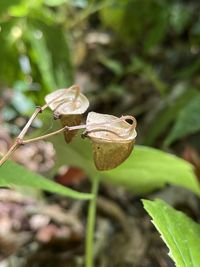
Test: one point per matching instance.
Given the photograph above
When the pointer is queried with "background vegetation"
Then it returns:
(129, 57)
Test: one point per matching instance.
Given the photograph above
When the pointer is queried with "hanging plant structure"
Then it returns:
(69, 107)
(112, 139)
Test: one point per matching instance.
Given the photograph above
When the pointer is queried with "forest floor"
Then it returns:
(50, 231)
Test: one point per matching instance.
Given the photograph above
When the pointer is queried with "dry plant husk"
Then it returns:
(68, 105)
(112, 139)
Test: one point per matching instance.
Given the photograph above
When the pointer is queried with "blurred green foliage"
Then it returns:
(140, 57)
(35, 45)
(151, 57)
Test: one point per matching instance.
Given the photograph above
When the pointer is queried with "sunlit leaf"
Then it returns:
(145, 170)
(12, 174)
(179, 232)
(58, 45)
(148, 169)
(51, 54)
(24, 8)
(55, 2)
(42, 57)
(5, 4)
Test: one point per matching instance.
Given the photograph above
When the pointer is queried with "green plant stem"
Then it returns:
(89, 255)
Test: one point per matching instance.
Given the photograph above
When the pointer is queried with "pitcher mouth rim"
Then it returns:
(116, 141)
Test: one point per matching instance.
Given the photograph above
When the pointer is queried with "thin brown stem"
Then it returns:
(9, 153)
(77, 127)
(42, 137)
(28, 124)
(19, 139)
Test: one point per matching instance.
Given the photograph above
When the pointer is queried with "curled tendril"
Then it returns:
(60, 102)
(56, 99)
(102, 127)
(103, 130)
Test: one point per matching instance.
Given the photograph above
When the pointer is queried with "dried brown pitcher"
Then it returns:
(112, 139)
(69, 105)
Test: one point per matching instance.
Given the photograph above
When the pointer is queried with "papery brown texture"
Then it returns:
(70, 120)
(68, 105)
(112, 139)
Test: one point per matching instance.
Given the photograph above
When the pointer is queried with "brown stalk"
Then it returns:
(19, 140)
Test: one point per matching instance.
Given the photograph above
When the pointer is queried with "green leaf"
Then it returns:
(25, 8)
(58, 44)
(6, 4)
(190, 70)
(51, 54)
(148, 169)
(12, 174)
(112, 64)
(167, 115)
(77, 153)
(119, 14)
(54, 3)
(42, 57)
(145, 170)
(112, 15)
(179, 232)
(188, 121)
(146, 71)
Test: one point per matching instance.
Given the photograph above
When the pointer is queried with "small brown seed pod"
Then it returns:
(112, 139)
(68, 105)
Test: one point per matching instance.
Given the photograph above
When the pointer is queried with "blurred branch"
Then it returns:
(92, 8)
